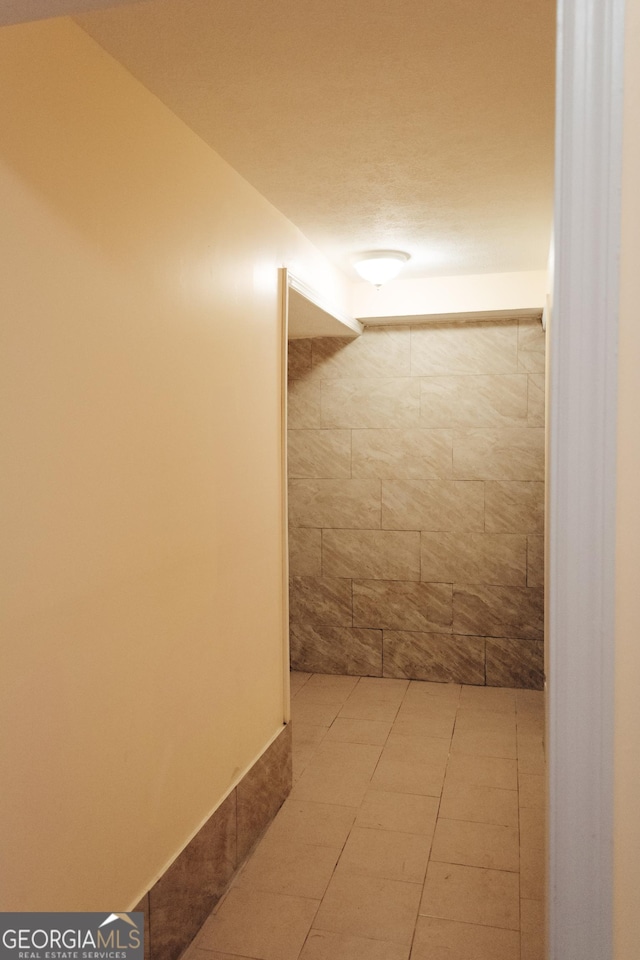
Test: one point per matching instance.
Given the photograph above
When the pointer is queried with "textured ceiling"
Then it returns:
(425, 125)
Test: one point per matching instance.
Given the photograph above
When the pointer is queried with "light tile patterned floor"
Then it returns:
(414, 831)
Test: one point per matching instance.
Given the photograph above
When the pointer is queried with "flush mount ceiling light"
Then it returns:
(379, 266)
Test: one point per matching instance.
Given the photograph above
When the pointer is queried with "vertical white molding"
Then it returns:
(283, 289)
(582, 477)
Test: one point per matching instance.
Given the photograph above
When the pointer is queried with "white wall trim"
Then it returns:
(465, 316)
(582, 477)
(294, 283)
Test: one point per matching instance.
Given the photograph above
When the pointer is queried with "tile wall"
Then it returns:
(416, 503)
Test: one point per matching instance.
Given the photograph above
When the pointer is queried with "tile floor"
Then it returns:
(414, 831)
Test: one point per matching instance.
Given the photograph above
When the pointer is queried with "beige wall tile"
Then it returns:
(402, 605)
(476, 844)
(501, 453)
(535, 561)
(320, 600)
(334, 503)
(463, 941)
(413, 454)
(371, 554)
(474, 558)
(379, 352)
(474, 400)
(435, 505)
(535, 401)
(382, 402)
(513, 506)
(471, 895)
(514, 612)
(515, 663)
(319, 453)
(460, 348)
(329, 649)
(430, 656)
(303, 405)
(298, 359)
(305, 551)
(531, 346)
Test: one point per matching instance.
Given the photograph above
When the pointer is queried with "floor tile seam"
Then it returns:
(478, 923)
(476, 866)
(313, 929)
(501, 789)
(346, 871)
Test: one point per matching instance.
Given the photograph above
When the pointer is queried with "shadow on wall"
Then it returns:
(416, 503)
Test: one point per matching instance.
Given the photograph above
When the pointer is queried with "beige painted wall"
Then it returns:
(142, 668)
(416, 469)
(627, 713)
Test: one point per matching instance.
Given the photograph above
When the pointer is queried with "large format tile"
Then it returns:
(433, 656)
(474, 558)
(432, 505)
(471, 895)
(451, 940)
(324, 648)
(478, 804)
(377, 403)
(474, 401)
(370, 907)
(536, 400)
(262, 791)
(398, 812)
(293, 867)
(278, 928)
(371, 554)
(298, 359)
(305, 552)
(385, 853)
(496, 772)
(402, 454)
(531, 346)
(402, 605)
(481, 610)
(378, 352)
(535, 561)
(322, 945)
(303, 405)
(334, 503)
(499, 453)
(305, 821)
(463, 347)
(319, 453)
(474, 844)
(532, 853)
(513, 506)
(187, 892)
(532, 930)
(320, 600)
(515, 663)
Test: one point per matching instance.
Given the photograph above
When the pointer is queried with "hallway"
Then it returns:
(415, 829)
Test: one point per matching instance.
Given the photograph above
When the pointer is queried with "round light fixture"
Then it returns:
(379, 266)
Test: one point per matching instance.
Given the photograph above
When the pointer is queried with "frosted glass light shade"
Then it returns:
(379, 266)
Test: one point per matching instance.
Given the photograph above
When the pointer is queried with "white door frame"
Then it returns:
(582, 423)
